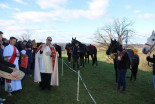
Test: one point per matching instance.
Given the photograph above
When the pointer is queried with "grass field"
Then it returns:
(100, 81)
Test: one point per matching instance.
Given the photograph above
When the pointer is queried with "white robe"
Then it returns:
(43, 64)
(15, 84)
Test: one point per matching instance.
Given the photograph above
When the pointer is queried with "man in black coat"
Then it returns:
(148, 58)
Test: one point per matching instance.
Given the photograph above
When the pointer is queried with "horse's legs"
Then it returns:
(73, 63)
(60, 54)
(115, 67)
(88, 58)
(85, 59)
(95, 59)
(82, 59)
(131, 74)
(135, 69)
(77, 62)
(92, 59)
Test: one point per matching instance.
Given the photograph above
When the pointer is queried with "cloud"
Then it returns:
(20, 1)
(44, 4)
(12, 25)
(97, 8)
(136, 11)
(17, 9)
(147, 16)
(4, 6)
(127, 6)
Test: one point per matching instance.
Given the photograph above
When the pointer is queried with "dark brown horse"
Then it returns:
(134, 59)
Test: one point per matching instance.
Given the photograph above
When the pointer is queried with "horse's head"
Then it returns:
(149, 45)
(112, 47)
(74, 41)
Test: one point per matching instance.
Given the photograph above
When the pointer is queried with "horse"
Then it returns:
(82, 48)
(91, 50)
(134, 59)
(93, 54)
(149, 45)
(87, 53)
(58, 49)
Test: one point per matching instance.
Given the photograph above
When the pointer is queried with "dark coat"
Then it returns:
(124, 62)
(30, 57)
(153, 61)
(76, 52)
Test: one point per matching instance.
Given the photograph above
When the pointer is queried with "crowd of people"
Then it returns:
(23, 55)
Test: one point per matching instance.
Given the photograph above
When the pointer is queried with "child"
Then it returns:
(24, 61)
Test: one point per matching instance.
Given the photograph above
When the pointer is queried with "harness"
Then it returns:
(150, 51)
(150, 48)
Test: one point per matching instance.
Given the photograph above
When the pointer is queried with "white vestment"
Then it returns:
(15, 84)
(44, 64)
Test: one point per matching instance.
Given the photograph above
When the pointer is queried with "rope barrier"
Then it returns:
(82, 82)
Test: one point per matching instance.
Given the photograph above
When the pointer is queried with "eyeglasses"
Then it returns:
(49, 40)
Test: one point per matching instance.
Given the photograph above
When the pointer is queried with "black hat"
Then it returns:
(24, 41)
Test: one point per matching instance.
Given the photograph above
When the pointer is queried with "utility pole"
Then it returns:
(126, 38)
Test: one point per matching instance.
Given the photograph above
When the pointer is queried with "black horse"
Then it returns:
(91, 50)
(93, 54)
(82, 50)
(134, 59)
(87, 54)
(58, 49)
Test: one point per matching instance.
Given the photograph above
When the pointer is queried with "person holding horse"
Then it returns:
(148, 48)
(76, 55)
(69, 48)
(122, 62)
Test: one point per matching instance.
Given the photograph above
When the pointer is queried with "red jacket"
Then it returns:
(24, 61)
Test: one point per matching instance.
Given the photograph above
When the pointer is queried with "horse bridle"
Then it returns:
(150, 51)
(150, 48)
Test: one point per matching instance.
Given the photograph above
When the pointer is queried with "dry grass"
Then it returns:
(143, 64)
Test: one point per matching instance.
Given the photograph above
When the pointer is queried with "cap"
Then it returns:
(23, 52)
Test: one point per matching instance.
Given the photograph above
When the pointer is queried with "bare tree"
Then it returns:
(119, 30)
(25, 36)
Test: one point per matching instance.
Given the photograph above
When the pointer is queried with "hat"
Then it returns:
(24, 41)
(23, 52)
(29, 40)
(119, 48)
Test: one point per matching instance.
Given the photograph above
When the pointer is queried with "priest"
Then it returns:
(46, 65)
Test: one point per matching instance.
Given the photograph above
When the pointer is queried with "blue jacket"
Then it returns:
(30, 57)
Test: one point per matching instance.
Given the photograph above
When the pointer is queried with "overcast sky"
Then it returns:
(64, 19)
